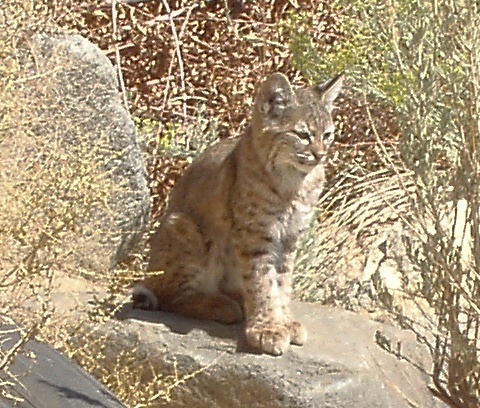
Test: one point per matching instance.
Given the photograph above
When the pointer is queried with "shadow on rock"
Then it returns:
(184, 325)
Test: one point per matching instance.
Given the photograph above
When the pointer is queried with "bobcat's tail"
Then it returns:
(144, 298)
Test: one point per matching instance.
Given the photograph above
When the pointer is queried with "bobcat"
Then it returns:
(227, 242)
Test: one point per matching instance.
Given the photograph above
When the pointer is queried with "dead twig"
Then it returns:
(178, 53)
(118, 60)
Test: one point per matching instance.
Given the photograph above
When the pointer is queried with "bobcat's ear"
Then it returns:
(274, 95)
(329, 90)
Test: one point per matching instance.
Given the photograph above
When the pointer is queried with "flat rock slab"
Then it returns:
(340, 366)
(41, 377)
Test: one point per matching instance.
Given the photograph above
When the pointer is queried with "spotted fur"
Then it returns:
(227, 242)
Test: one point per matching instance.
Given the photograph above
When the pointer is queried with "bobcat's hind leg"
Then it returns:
(187, 281)
(218, 307)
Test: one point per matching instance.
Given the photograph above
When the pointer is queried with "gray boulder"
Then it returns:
(41, 377)
(81, 114)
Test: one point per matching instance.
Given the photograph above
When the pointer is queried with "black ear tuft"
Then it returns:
(329, 90)
(274, 95)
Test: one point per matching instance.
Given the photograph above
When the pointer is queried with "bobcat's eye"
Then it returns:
(328, 137)
(303, 134)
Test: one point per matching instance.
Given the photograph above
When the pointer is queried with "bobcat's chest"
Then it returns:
(299, 213)
(300, 216)
(295, 221)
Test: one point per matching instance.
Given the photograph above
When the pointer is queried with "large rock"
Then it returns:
(80, 150)
(90, 95)
(41, 377)
(340, 366)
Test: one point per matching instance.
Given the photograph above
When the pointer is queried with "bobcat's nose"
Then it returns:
(312, 157)
(319, 153)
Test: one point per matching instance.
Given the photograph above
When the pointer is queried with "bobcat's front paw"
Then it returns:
(298, 333)
(269, 339)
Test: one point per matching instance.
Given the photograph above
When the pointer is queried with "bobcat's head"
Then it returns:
(293, 128)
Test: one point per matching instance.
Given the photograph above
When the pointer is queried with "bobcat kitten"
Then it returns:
(228, 239)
